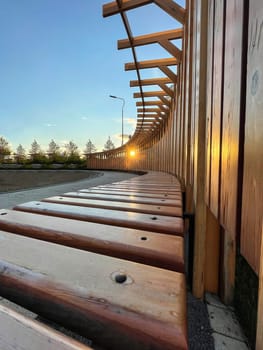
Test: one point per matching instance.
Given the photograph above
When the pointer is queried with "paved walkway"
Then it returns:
(9, 200)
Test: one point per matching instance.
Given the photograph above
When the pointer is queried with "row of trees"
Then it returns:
(54, 154)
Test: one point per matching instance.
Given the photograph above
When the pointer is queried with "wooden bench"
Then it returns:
(109, 265)
(149, 248)
(22, 333)
(117, 303)
(153, 223)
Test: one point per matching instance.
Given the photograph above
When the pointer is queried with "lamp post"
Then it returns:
(122, 109)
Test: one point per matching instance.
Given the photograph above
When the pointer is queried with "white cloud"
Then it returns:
(49, 125)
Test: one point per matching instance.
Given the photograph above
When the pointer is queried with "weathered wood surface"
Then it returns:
(259, 339)
(21, 333)
(252, 200)
(123, 206)
(216, 120)
(79, 290)
(141, 189)
(127, 199)
(154, 223)
(165, 251)
(136, 193)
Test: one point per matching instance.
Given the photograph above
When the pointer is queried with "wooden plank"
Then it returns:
(152, 63)
(200, 149)
(165, 251)
(232, 140)
(18, 332)
(153, 38)
(83, 292)
(252, 199)
(126, 199)
(136, 189)
(212, 254)
(218, 71)
(209, 100)
(259, 339)
(135, 193)
(133, 207)
(154, 223)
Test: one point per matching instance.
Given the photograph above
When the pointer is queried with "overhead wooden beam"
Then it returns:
(148, 110)
(150, 94)
(168, 72)
(173, 9)
(150, 103)
(163, 62)
(171, 48)
(112, 8)
(152, 38)
(153, 81)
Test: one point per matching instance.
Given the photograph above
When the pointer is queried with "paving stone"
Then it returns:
(223, 342)
(224, 321)
(214, 300)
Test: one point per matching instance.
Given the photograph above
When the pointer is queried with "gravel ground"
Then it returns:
(57, 182)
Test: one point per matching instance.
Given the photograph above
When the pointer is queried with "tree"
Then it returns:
(53, 151)
(72, 153)
(109, 145)
(37, 155)
(90, 148)
(5, 149)
(20, 154)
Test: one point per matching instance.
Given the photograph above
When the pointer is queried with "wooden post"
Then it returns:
(259, 341)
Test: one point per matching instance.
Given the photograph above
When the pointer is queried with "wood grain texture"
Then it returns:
(133, 207)
(154, 249)
(125, 199)
(18, 332)
(154, 223)
(78, 290)
(231, 115)
(209, 99)
(216, 120)
(252, 203)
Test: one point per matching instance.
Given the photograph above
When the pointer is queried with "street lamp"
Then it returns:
(122, 109)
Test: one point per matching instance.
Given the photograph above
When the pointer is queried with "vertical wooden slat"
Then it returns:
(210, 61)
(200, 215)
(212, 253)
(217, 105)
(252, 203)
(232, 142)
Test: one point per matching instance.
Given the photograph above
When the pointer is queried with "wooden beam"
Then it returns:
(152, 38)
(152, 63)
(149, 94)
(153, 81)
(172, 49)
(170, 74)
(149, 103)
(112, 8)
(173, 9)
(148, 110)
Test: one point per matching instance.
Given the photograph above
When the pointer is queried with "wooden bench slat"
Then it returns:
(133, 189)
(133, 193)
(18, 332)
(165, 251)
(127, 199)
(154, 223)
(123, 206)
(78, 289)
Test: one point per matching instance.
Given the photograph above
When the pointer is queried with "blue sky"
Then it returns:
(58, 65)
